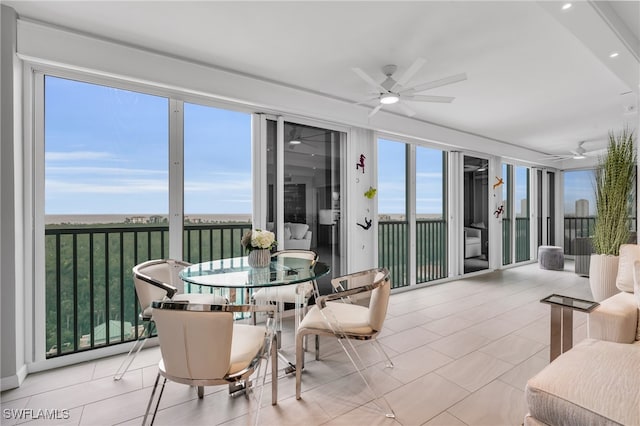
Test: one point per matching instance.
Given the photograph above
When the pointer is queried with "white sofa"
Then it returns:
(297, 236)
(598, 381)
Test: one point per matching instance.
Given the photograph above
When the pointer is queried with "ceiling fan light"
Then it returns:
(389, 98)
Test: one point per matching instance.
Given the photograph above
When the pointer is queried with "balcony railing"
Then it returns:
(523, 239)
(576, 228)
(431, 250)
(90, 297)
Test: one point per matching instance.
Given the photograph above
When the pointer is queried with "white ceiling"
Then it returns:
(537, 76)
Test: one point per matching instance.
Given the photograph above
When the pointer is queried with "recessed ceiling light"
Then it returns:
(295, 142)
(389, 98)
(566, 6)
(614, 54)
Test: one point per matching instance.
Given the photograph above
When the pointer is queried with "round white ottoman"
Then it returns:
(551, 257)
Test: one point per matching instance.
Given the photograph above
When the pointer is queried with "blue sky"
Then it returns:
(578, 185)
(392, 181)
(106, 152)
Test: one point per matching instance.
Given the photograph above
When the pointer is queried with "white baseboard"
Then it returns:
(14, 381)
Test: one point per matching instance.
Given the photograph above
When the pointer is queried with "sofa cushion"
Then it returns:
(596, 382)
(636, 292)
(629, 253)
(298, 230)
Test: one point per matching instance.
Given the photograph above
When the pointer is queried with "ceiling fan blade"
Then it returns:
(366, 101)
(436, 83)
(427, 98)
(363, 75)
(410, 72)
(408, 111)
(373, 111)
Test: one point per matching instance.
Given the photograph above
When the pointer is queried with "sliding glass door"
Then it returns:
(309, 193)
(475, 243)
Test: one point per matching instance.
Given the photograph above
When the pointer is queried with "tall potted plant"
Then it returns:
(614, 180)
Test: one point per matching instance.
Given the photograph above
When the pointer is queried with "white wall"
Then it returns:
(12, 365)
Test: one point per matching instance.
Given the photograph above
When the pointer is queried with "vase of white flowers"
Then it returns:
(259, 244)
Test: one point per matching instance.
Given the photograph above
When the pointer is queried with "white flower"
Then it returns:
(262, 239)
(259, 239)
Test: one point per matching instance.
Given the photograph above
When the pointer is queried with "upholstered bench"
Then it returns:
(595, 383)
(551, 257)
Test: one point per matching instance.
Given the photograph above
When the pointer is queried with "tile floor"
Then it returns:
(463, 352)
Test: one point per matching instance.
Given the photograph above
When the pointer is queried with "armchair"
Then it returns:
(598, 380)
(472, 242)
(297, 236)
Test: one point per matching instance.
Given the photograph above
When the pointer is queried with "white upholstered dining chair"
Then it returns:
(295, 294)
(202, 345)
(355, 311)
(158, 279)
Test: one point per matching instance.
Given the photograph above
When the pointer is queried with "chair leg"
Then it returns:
(133, 352)
(200, 392)
(299, 363)
(360, 368)
(153, 392)
(164, 382)
(379, 347)
(317, 347)
(274, 372)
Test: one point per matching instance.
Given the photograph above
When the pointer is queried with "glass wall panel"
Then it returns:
(521, 195)
(311, 191)
(507, 215)
(551, 212)
(106, 205)
(217, 182)
(476, 214)
(539, 212)
(431, 223)
(392, 210)
(579, 209)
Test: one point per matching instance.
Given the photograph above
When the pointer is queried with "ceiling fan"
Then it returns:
(296, 138)
(580, 153)
(392, 91)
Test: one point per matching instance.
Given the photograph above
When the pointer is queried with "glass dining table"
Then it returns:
(236, 280)
(236, 274)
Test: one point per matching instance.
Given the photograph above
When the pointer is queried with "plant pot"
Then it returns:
(603, 270)
(259, 258)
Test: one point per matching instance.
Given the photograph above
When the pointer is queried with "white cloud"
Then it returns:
(93, 171)
(218, 186)
(78, 155)
(429, 175)
(123, 186)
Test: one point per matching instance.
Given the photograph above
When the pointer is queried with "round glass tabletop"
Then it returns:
(236, 273)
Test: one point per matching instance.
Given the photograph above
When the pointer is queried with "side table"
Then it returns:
(562, 308)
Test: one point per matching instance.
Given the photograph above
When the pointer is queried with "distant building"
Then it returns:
(524, 208)
(582, 208)
(136, 219)
(156, 219)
